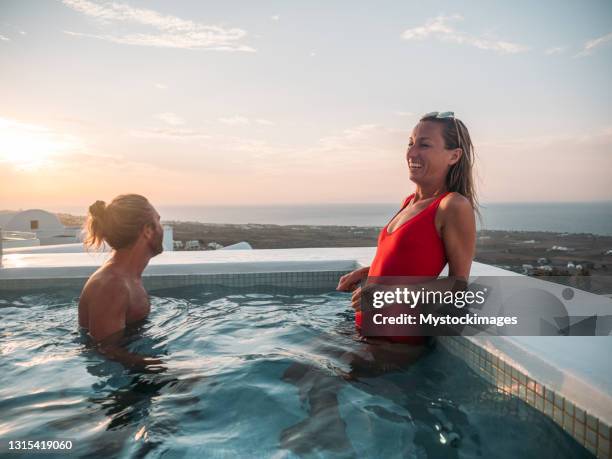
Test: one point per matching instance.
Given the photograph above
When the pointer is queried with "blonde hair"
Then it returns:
(119, 223)
(460, 177)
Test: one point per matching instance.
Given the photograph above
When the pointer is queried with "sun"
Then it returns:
(27, 147)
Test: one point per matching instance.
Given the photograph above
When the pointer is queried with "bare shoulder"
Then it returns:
(105, 283)
(455, 211)
(105, 293)
(456, 205)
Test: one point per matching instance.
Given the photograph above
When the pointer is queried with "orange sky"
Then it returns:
(100, 99)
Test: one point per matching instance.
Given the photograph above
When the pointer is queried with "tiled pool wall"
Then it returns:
(313, 280)
(588, 430)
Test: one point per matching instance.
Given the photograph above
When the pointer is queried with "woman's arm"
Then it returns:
(459, 239)
(458, 235)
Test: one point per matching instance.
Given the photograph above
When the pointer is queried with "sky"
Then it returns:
(275, 102)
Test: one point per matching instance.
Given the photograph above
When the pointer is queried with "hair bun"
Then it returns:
(97, 209)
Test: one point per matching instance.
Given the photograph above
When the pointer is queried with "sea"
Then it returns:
(581, 217)
(559, 217)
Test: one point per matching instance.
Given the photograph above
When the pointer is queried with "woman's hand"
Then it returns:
(356, 298)
(349, 281)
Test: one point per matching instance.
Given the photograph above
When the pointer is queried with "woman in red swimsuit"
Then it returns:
(434, 226)
(436, 223)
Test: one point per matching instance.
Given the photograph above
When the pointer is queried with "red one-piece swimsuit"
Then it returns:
(414, 249)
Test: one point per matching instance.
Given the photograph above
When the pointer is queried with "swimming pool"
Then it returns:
(276, 373)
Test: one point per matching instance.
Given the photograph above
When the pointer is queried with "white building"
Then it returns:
(10, 246)
(168, 242)
(45, 226)
(192, 245)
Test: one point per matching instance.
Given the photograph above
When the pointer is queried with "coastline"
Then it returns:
(547, 253)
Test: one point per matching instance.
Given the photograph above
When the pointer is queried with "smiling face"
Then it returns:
(428, 158)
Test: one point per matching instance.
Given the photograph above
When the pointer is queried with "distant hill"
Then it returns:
(71, 220)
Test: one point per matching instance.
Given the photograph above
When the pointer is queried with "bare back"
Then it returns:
(111, 300)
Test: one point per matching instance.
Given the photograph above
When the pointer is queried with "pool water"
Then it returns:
(259, 374)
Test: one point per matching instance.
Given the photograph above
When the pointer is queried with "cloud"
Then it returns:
(29, 148)
(238, 120)
(170, 118)
(170, 134)
(263, 122)
(554, 50)
(557, 166)
(218, 142)
(168, 31)
(590, 45)
(440, 29)
(276, 17)
(401, 113)
(161, 86)
(235, 121)
(3, 38)
(361, 141)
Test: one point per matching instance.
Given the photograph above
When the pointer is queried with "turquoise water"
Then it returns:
(259, 374)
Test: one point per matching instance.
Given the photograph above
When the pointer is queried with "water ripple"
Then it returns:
(249, 374)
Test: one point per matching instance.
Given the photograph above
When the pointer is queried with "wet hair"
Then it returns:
(460, 177)
(119, 223)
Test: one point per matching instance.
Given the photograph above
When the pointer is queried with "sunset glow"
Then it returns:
(200, 105)
(27, 147)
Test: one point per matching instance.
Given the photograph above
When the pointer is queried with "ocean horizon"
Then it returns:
(581, 217)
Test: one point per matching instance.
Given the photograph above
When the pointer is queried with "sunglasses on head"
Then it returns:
(439, 115)
(444, 115)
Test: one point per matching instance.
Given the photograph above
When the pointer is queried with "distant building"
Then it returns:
(192, 245)
(168, 241)
(527, 269)
(214, 246)
(12, 239)
(46, 227)
(30, 229)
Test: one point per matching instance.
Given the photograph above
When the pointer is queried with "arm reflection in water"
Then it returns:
(113, 347)
(127, 385)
